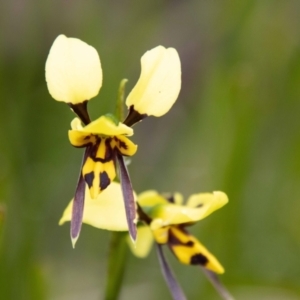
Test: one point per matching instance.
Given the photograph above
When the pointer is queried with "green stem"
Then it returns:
(2, 217)
(116, 265)
(120, 100)
(118, 247)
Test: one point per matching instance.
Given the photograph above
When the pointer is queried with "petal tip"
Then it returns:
(133, 233)
(74, 240)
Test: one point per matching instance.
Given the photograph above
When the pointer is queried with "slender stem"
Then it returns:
(2, 219)
(116, 265)
(118, 247)
(174, 287)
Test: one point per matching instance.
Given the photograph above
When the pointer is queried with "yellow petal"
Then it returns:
(151, 198)
(175, 198)
(208, 202)
(125, 146)
(73, 70)
(160, 232)
(78, 137)
(103, 126)
(144, 242)
(190, 251)
(198, 207)
(169, 214)
(76, 124)
(105, 212)
(98, 175)
(159, 84)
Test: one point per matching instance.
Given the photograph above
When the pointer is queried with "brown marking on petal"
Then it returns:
(109, 153)
(94, 148)
(169, 197)
(89, 178)
(133, 117)
(174, 240)
(88, 142)
(122, 145)
(199, 259)
(104, 181)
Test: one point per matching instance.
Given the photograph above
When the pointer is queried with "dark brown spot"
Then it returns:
(122, 145)
(199, 259)
(108, 150)
(104, 181)
(89, 177)
(174, 240)
(169, 197)
(189, 244)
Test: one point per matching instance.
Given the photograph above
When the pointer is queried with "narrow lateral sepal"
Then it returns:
(77, 211)
(174, 287)
(217, 284)
(129, 202)
(78, 204)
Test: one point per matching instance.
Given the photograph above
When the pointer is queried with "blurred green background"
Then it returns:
(235, 128)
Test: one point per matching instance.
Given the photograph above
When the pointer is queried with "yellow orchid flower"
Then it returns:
(167, 218)
(163, 219)
(74, 76)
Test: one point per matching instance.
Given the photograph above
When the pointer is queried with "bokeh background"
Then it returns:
(235, 128)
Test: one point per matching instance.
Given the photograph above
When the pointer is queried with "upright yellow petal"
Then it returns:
(105, 212)
(198, 207)
(151, 198)
(73, 70)
(170, 214)
(159, 84)
(207, 202)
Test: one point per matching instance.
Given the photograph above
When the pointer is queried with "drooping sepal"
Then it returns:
(169, 277)
(217, 284)
(128, 195)
(77, 211)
